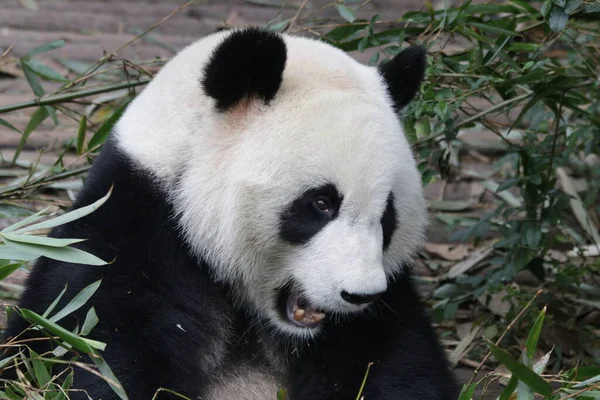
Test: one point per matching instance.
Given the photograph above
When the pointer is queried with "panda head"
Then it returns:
(288, 169)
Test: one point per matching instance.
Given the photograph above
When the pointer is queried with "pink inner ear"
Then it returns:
(242, 110)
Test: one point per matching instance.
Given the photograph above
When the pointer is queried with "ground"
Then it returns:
(90, 29)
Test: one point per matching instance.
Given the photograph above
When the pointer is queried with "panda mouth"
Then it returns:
(297, 310)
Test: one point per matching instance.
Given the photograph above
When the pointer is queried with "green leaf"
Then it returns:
(36, 119)
(4, 362)
(560, 3)
(546, 8)
(494, 29)
(534, 335)
(588, 382)
(281, 394)
(3, 122)
(54, 303)
(69, 216)
(77, 302)
(524, 392)
(42, 377)
(81, 135)
(40, 240)
(108, 374)
(592, 8)
(489, 9)
(522, 372)
(572, 5)
(558, 19)
(57, 44)
(342, 33)
(507, 184)
(84, 345)
(525, 6)
(467, 392)
(65, 386)
(66, 254)
(104, 131)
(91, 319)
(52, 113)
(32, 218)
(7, 270)
(33, 80)
(44, 71)
(509, 389)
(8, 253)
(346, 12)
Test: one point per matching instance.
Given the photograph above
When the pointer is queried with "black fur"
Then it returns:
(388, 221)
(404, 74)
(164, 318)
(301, 221)
(248, 63)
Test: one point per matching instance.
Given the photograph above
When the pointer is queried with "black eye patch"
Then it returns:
(309, 213)
(388, 221)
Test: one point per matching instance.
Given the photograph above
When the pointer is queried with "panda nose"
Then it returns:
(362, 298)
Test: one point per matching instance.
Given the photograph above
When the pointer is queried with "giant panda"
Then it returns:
(266, 208)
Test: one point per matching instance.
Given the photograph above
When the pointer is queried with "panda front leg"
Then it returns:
(399, 341)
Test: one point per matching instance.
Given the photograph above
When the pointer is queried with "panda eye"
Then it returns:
(322, 205)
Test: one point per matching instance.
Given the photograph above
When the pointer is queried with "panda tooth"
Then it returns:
(318, 317)
(299, 314)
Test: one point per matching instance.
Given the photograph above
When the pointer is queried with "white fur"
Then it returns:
(232, 174)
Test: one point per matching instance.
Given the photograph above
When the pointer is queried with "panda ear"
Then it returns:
(248, 64)
(403, 74)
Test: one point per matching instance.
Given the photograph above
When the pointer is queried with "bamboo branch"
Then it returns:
(44, 101)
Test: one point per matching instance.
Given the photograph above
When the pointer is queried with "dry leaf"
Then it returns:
(577, 205)
(463, 347)
(447, 251)
(474, 259)
(496, 303)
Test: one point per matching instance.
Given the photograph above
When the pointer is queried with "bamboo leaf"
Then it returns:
(534, 335)
(3, 122)
(44, 71)
(522, 372)
(9, 253)
(558, 19)
(54, 303)
(104, 131)
(467, 392)
(44, 48)
(346, 12)
(32, 218)
(509, 389)
(77, 302)
(91, 319)
(7, 270)
(494, 29)
(66, 254)
(33, 80)
(36, 119)
(108, 374)
(42, 377)
(84, 345)
(69, 216)
(39, 240)
(81, 135)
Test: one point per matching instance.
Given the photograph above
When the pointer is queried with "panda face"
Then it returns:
(295, 182)
(332, 202)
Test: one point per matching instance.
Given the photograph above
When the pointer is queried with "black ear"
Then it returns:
(403, 74)
(248, 63)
